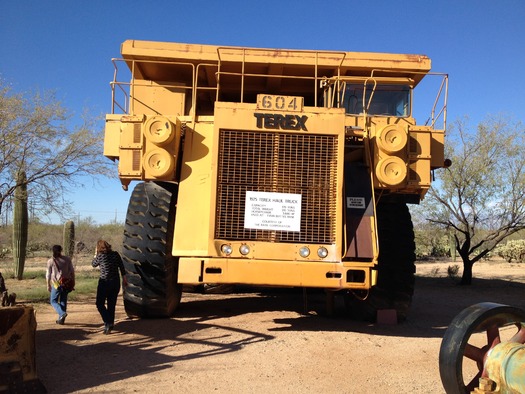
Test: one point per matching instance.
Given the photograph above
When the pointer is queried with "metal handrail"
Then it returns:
(114, 84)
(338, 81)
(242, 74)
(127, 108)
(443, 110)
(197, 88)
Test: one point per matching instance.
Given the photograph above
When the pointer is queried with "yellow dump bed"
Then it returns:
(280, 71)
(350, 63)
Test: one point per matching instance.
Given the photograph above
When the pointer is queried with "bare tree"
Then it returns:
(481, 197)
(55, 150)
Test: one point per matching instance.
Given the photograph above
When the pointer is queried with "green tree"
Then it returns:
(481, 196)
(432, 240)
(56, 150)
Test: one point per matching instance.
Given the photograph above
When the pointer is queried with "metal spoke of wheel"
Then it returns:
(473, 353)
(493, 336)
(519, 337)
(486, 318)
(473, 383)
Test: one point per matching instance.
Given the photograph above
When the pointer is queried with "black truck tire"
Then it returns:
(151, 270)
(396, 266)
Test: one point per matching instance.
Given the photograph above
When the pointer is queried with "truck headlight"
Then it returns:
(322, 252)
(304, 251)
(244, 249)
(226, 249)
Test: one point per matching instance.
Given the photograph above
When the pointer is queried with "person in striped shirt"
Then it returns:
(110, 263)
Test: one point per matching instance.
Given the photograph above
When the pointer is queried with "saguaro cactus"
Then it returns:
(69, 238)
(20, 225)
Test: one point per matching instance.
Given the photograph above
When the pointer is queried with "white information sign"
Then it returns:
(355, 202)
(273, 211)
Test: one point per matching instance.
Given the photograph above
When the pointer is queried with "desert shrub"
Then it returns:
(4, 252)
(422, 251)
(43, 236)
(112, 233)
(89, 233)
(434, 272)
(34, 247)
(432, 243)
(80, 247)
(452, 271)
(441, 247)
(513, 250)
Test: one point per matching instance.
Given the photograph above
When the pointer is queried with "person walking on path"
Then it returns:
(59, 267)
(110, 264)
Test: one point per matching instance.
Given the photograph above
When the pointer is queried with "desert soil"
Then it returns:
(272, 341)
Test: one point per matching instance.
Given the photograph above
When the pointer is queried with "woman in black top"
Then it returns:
(108, 288)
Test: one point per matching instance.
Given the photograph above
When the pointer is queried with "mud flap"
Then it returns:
(359, 211)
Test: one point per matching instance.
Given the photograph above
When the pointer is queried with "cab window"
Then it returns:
(387, 100)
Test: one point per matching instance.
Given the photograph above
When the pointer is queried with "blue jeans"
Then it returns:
(58, 301)
(107, 294)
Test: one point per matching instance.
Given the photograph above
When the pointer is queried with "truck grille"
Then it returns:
(303, 164)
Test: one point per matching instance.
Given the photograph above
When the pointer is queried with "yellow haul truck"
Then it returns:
(270, 167)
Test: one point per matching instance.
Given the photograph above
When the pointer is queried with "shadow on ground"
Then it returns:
(209, 325)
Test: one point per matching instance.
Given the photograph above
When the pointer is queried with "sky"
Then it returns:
(67, 46)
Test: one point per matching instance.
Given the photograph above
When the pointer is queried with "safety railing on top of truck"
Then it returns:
(441, 95)
(439, 105)
(335, 90)
(238, 66)
(299, 59)
(126, 89)
(116, 84)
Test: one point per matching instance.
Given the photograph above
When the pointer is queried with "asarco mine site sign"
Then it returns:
(273, 211)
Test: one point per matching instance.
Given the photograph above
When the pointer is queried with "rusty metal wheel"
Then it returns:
(469, 337)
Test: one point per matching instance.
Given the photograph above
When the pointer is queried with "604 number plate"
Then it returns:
(279, 103)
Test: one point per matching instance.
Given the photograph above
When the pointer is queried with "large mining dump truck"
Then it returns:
(271, 167)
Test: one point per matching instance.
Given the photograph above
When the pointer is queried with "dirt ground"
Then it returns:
(278, 341)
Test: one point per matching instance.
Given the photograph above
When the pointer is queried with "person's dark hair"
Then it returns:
(57, 250)
(103, 246)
